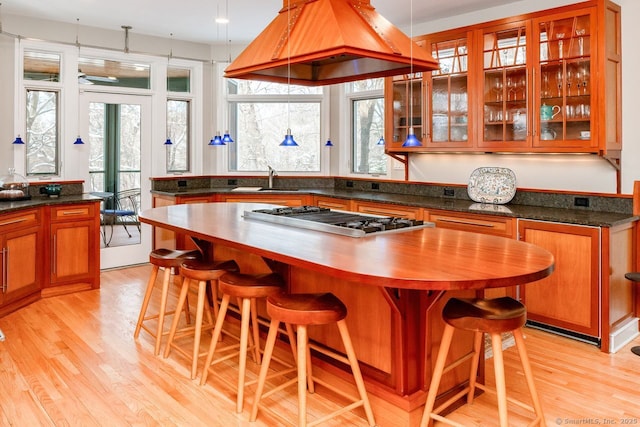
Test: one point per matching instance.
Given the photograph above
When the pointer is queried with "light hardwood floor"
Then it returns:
(72, 360)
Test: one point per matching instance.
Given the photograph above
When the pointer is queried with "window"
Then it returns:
(42, 132)
(178, 116)
(260, 114)
(107, 72)
(42, 66)
(178, 79)
(367, 125)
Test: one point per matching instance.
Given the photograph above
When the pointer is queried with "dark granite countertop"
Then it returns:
(585, 217)
(6, 207)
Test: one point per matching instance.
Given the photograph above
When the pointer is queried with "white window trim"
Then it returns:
(68, 114)
(346, 126)
(222, 154)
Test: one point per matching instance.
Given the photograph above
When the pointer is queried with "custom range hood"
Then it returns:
(320, 42)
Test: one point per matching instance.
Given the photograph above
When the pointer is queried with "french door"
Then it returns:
(118, 148)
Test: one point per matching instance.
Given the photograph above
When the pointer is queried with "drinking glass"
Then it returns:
(560, 37)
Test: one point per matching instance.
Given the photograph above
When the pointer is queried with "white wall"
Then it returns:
(554, 172)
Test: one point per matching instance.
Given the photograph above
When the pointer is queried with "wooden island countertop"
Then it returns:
(422, 259)
(393, 284)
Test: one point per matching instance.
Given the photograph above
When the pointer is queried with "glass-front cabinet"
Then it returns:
(564, 101)
(406, 93)
(505, 87)
(448, 107)
(522, 85)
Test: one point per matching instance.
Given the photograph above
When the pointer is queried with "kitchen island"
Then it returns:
(394, 285)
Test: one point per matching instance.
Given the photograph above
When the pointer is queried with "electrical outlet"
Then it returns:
(581, 201)
(232, 182)
(448, 192)
(182, 183)
(375, 186)
(349, 184)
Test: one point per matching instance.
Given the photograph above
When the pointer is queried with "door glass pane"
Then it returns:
(114, 165)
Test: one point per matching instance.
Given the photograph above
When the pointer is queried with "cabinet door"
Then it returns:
(72, 252)
(403, 110)
(448, 92)
(19, 269)
(505, 108)
(564, 101)
(568, 298)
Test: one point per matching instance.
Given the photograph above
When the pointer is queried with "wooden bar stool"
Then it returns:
(493, 316)
(246, 288)
(202, 272)
(170, 260)
(304, 310)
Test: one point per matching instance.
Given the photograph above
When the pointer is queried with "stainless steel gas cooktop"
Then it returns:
(333, 221)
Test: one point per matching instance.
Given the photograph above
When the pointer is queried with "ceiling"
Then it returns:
(194, 20)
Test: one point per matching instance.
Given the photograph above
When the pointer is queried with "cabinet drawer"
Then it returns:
(19, 219)
(388, 210)
(72, 212)
(476, 223)
(332, 203)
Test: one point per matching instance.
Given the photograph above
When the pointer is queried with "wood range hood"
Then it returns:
(320, 42)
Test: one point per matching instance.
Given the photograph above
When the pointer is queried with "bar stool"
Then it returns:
(202, 272)
(246, 288)
(170, 260)
(304, 310)
(493, 316)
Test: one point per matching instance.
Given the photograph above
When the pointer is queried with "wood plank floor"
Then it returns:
(72, 361)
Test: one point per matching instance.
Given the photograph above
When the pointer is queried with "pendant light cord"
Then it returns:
(288, 65)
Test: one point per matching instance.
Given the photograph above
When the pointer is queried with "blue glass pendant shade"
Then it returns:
(18, 141)
(411, 140)
(78, 141)
(168, 142)
(226, 138)
(381, 141)
(288, 140)
(328, 143)
(217, 140)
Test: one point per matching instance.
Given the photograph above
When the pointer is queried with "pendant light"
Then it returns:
(78, 140)
(328, 143)
(18, 141)
(224, 20)
(288, 138)
(380, 141)
(217, 140)
(412, 140)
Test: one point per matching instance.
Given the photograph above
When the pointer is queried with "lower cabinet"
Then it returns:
(387, 209)
(74, 248)
(20, 269)
(570, 297)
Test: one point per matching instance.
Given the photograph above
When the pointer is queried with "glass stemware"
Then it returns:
(559, 81)
(560, 37)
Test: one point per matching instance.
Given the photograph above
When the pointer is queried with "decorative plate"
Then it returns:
(492, 185)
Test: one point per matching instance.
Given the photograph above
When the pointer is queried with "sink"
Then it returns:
(278, 189)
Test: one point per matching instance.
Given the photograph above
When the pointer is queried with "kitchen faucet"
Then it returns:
(272, 173)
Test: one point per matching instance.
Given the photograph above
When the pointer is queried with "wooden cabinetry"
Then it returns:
(332, 203)
(485, 224)
(74, 248)
(386, 209)
(20, 267)
(529, 86)
(267, 197)
(569, 298)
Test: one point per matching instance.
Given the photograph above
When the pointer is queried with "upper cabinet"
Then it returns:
(543, 82)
